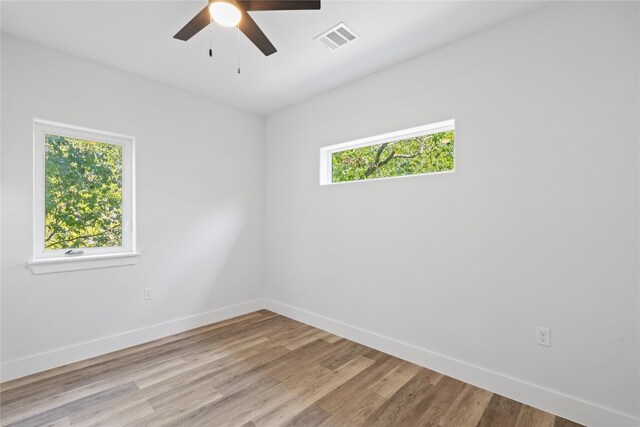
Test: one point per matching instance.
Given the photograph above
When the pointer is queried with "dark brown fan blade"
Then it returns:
(250, 29)
(192, 28)
(251, 5)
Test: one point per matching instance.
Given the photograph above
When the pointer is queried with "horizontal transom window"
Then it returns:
(416, 151)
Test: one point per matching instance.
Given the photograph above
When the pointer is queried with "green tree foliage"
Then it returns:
(423, 154)
(83, 193)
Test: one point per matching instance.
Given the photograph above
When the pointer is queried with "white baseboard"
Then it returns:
(85, 350)
(569, 407)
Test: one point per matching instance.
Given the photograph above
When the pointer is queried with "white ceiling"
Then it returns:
(136, 36)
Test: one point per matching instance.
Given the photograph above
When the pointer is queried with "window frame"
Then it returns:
(326, 153)
(115, 255)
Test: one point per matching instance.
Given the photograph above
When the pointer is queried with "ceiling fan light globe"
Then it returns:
(225, 14)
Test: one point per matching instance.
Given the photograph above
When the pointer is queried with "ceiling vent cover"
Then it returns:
(338, 36)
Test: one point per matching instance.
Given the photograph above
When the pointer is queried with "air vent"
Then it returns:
(338, 36)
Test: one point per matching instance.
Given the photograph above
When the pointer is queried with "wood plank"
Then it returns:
(307, 339)
(394, 379)
(401, 404)
(561, 422)
(256, 370)
(222, 412)
(13, 411)
(348, 350)
(306, 394)
(468, 408)
(54, 415)
(332, 338)
(122, 411)
(210, 370)
(312, 415)
(353, 402)
(437, 402)
(532, 417)
(62, 422)
(500, 412)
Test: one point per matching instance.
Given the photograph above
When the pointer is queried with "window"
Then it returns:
(416, 151)
(83, 199)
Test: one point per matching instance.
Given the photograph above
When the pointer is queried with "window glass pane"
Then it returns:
(83, 193)
(423, 154)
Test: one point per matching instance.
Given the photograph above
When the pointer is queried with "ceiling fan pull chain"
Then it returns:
(211, 40)
(238, 28)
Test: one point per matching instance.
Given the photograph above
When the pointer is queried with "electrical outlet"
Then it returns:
(543, 336)
(148, 293)
(289, 279)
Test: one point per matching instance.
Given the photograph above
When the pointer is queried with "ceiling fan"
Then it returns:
(234, 12)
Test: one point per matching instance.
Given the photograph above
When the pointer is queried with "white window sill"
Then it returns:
(87, 262)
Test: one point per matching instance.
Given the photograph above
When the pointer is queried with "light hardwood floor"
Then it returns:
(261, 369)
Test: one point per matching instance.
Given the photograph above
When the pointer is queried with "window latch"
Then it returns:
(73, 252)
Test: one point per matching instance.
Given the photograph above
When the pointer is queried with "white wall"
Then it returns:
(200, 199)
(538, 226)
